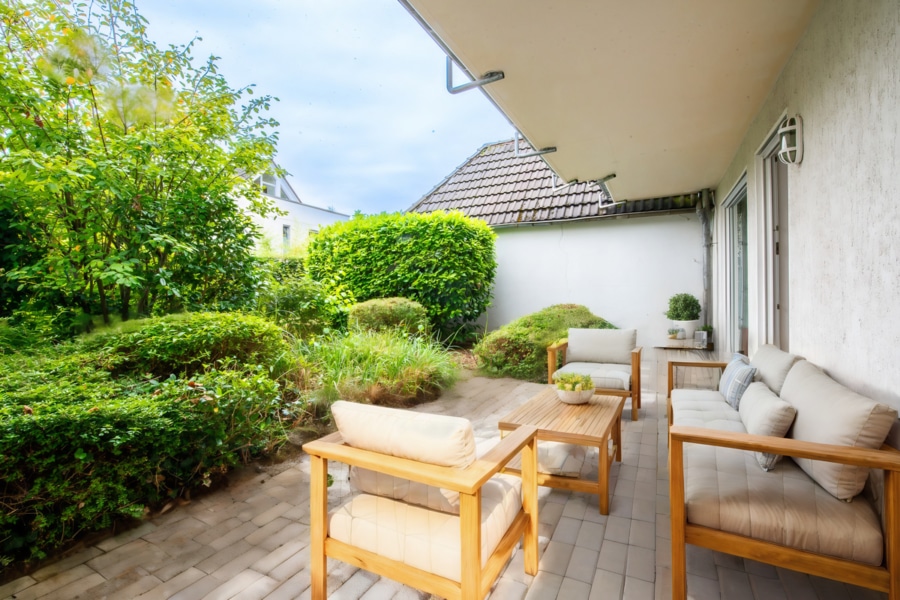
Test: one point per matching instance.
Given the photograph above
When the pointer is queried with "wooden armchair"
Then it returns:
(610, 356)
(450, 555)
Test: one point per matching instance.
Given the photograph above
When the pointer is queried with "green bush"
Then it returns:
(384, 367)
(683, 307)
(390, 313)
(80, 449)
(519, 349)
(186, 343)
(301, 306)
(443, 261)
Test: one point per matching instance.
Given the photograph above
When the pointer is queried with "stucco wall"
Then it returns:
(301, 217)
(844, 199)
(622, 270)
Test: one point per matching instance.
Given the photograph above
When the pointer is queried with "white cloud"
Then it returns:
(366, 123)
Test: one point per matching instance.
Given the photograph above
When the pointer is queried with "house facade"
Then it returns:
(559, 244)
(806, 255)
(287, 233)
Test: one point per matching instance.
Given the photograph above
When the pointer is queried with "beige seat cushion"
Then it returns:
(764, 413)
(772, 366)
(423, 538)
(604, 376)
(601, 345)
(830, 413)
(725, 489)
(702, 408)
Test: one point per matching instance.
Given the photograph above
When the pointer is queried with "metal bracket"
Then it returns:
(516, 139)
(554, 188)
(489, 77)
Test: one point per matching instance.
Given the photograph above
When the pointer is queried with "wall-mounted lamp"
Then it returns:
(790, 134)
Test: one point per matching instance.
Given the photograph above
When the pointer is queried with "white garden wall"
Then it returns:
(844, 199)
(623, 270)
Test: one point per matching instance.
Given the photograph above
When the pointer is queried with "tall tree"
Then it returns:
(124, 159)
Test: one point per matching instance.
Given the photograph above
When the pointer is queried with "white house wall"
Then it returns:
(623, 270)
(301, 217)
(844, 199)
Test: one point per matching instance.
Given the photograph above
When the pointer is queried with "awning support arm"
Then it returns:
(516, 139)
(489, 77)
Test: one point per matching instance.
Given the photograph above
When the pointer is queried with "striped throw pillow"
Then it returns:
(735, 379)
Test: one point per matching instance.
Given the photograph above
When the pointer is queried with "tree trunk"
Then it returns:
(125, 295)
(104, 307)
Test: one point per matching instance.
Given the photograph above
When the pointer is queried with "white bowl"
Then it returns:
(570, 397)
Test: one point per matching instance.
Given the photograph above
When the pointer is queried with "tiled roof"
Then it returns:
(500, 189)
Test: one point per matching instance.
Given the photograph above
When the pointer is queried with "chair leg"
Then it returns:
(318, 504)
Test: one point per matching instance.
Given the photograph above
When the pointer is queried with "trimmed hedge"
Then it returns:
(301, 306)
(383, 314)
(443, 261)
(519, 349)
(185, 343)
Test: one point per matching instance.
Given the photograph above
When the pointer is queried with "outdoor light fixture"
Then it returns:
(790, 134)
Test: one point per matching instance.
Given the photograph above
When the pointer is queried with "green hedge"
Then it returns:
(383, 314)
(301, 306)
(443, 261)
(185, 343)
(519, 349)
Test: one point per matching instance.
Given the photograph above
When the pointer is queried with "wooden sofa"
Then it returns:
(429, 514)
(722, 500)
(610, 356)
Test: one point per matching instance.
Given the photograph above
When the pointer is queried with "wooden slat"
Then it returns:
(530, 506)
(470, 544)
(854, 573)
(318, 515)
(847, 455)
(892, 531)
(392, 569)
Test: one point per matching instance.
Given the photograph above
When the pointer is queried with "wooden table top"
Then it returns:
(587, 424)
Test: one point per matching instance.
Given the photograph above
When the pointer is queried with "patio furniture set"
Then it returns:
(434, 513)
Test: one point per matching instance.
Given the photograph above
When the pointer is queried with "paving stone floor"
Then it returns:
(250, 541)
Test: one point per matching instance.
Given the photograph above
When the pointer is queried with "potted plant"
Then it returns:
(684, 311)
(573, 388)
(673, 333)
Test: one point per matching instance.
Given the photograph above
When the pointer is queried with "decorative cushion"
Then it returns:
(764, 413)
(421, 538)
(735, 379)
(435, 439)
(604, 376)
(601, 345)
(772, 366)
(830, 413)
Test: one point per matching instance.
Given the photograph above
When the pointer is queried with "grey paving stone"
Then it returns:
(544, 587)
(358, 584)
(292, 587)
(590, 535)
(642, 534)
(175, 585)
(506, 589)
(15, 586)
(701, 588)
(734, 584)
(238, 563)
(573, 589)
(638, 589)
(765, 588)
(60, 566)
(606, 585)
(566, 530)
(260, 588)
(138, 553)
(556, 558)
(76, 589)
(618, 529)
(641, 563)
(582, 565)
(613, 557)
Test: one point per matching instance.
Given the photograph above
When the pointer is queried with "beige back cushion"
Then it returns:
(434, 439)
(764, 413)
(772, 366)
(601, 345)
(830, 413)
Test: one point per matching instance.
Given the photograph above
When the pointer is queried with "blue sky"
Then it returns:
(366, 123)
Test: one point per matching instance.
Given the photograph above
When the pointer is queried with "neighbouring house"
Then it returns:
(673, 97)
(286, 233)
(571, 244)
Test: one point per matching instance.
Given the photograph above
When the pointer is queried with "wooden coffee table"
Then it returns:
(592, 424)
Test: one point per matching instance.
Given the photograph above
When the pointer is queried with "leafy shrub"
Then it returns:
(390, 313)
(385, 367)
(80, 449)
(683, 307)
(519, 349)
(443, 261)
(185, 343)
(301, 306)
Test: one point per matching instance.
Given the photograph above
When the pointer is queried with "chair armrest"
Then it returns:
(705, 364)
(887, 458)
(552, 352)
(332, 447)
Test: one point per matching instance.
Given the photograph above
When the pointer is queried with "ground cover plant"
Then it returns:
(444, 261)
(519, 349)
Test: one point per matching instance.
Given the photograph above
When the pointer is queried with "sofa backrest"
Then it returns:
(829, 413)
(601, 345)
(772, 366)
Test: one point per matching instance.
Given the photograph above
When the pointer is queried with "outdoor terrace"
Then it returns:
(250, 540)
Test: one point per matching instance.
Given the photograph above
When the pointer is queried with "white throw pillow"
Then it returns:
(601, 345)
(764, 413)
